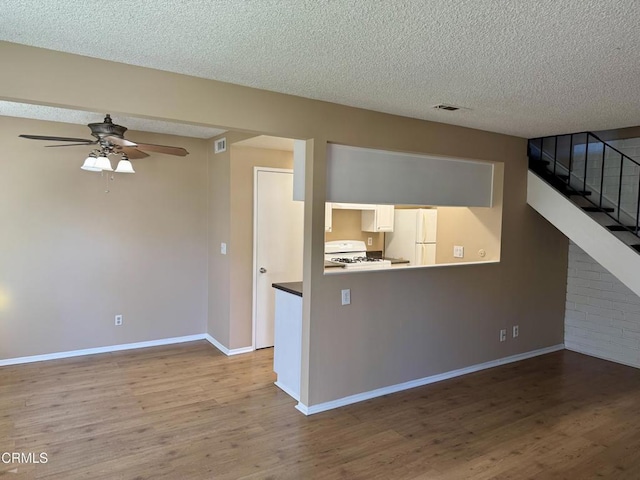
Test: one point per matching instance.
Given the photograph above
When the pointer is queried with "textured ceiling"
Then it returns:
(521, 67)
(54, 114)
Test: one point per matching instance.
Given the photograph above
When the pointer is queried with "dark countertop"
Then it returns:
(329, 264)
(378, 254)
(294, 288)
(396, 260)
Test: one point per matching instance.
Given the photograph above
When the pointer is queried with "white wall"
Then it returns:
(602, 315)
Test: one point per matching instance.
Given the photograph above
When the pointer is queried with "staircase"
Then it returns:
(590, 191)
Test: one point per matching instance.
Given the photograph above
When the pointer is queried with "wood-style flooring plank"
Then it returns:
(189, 412)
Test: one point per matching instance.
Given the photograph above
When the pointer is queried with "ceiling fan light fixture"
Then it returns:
(103, 163)
(90, 164)
(124, 166)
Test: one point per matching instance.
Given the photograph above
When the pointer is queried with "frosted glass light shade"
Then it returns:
(103, 163)
(124, 166)
(90, 164)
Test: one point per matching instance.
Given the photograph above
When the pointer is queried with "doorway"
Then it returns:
(278, 239)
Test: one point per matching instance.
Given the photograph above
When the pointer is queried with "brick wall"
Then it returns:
(602, 316)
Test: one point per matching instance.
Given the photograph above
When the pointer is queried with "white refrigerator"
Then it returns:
(414, 236)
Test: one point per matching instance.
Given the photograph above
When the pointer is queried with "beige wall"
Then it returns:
(347, 225)
(243, 161)
(474, 228)
(218, 228)
(401, 325)
(72, 256)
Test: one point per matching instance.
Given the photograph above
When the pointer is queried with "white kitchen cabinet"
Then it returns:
(287, 352)
(378, 220)
(352, 206)
(328, 217)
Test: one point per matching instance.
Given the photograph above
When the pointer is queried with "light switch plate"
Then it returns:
(223, 248)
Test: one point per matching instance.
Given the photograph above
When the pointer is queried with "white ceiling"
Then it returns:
(525, 68)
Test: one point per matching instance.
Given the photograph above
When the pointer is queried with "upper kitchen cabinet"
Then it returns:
(328, 217)
(378, 220)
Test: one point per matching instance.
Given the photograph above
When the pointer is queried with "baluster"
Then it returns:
(604, 149)
(555, 156)
(620, 186)
(570, 160)
(586, 159)
(638, 204)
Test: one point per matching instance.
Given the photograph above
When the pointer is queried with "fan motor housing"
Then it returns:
(107, 128)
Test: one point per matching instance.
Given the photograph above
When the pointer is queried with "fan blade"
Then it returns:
(133, 153)
(181, 152)
(71, 144)
(56, 139)
(121, 142)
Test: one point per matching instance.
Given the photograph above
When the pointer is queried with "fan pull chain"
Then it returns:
(108, 179)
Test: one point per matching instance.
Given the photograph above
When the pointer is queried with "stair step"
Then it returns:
(562, 176)
(535, 161)
(622, 228)
(598, 209)
(635, 247)
(584, 193)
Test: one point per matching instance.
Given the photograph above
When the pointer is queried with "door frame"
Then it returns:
(254, 309)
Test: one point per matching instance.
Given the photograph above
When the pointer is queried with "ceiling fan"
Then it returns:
(110, 138)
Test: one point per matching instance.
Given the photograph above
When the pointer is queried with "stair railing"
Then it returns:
(572, 162)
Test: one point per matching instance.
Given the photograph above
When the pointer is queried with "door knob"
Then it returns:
(263, 270)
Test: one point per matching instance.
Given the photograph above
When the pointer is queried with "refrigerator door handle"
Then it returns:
(421, 233)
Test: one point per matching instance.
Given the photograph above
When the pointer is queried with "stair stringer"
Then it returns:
(605, 248)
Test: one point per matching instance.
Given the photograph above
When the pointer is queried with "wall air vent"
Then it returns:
(220, 145)
(444, 106)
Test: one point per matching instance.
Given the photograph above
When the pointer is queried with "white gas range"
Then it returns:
(352, 254)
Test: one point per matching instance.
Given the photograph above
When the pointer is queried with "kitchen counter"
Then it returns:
(290, 287)
(378, 254)
(396, 261)
(329, 264)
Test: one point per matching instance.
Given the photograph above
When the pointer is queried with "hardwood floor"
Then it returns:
(189, 412)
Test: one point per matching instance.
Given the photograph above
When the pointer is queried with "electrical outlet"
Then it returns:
(369, 241)
(516, 331)
(503, 335)
(346, 297)
(118, 320)
(223, 248)
(458, 251)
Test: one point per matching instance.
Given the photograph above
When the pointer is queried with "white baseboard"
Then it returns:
(341, 402)
(225, 350)
(107, 349)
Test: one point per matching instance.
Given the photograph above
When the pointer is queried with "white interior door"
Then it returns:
(278, 243)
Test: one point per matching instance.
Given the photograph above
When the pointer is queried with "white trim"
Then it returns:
(288, 391)
(107, 349)
(255, 245)
(596, 241)
(341, 402)
(228, 352)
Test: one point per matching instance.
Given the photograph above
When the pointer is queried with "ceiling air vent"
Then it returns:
(444, 106)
